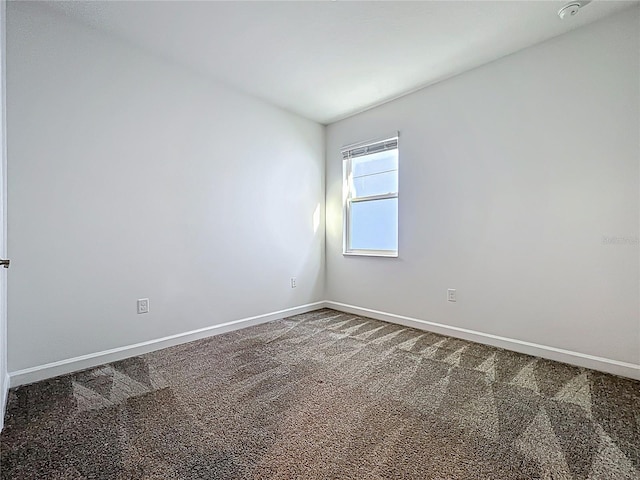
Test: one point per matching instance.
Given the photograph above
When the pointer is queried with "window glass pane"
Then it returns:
(375, 163)
(375, 184)
(374, 225)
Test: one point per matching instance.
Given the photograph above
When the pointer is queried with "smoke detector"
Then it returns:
(571, 9)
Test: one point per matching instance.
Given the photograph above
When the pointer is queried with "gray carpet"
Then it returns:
(326, 395)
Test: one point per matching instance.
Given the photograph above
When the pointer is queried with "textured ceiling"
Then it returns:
(328, 60)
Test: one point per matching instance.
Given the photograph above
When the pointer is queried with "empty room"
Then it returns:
(320, 240)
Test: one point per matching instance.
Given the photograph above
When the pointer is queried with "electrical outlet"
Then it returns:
(143, 305)
(451, 295)
(293, 282)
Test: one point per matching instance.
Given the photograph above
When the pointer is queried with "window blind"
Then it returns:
(369, 148)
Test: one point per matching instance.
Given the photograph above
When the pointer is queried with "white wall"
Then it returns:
(510, 176)
(130, 177)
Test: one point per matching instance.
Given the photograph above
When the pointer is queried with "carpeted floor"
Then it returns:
(326, 395)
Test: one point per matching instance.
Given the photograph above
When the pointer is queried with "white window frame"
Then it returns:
(354, 151)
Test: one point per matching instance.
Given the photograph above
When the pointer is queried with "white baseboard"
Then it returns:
(62, 367)
(573, 358)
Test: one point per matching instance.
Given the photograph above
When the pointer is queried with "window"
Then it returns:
(370, 186)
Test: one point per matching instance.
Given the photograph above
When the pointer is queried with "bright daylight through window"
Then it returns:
(370, 189)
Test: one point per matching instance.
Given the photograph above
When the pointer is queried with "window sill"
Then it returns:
(370, 253)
